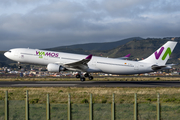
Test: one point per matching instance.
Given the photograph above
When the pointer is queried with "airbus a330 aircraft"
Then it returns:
(60, 61)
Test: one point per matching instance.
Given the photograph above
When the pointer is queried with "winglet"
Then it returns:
(127, 55)
(89, 57)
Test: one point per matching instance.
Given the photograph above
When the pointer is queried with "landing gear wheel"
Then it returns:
(90, 77)
(82, 79)
(86, 75)
(78, 76)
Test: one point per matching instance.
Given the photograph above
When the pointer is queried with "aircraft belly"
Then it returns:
(113, 69)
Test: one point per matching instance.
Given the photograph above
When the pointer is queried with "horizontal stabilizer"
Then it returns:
(156, 67)
(167, 66)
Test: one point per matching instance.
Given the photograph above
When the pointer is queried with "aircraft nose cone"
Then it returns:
(6, 54)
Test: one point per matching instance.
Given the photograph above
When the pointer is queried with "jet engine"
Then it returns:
(52, 67)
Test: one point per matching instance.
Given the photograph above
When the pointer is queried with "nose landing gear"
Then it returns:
(19, 65)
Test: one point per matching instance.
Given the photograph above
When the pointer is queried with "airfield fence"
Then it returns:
(89, 110)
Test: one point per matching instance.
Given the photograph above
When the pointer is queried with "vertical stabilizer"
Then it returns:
(161, 56)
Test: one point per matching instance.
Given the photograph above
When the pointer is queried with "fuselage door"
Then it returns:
(94, 62)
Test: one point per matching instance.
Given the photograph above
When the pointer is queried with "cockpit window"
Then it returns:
(9, 51)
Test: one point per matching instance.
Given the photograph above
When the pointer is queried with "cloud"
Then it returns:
(51, 23)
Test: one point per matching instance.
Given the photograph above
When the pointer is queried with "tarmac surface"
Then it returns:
(90, 84)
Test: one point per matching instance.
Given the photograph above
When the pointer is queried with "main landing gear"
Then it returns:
(82, 78)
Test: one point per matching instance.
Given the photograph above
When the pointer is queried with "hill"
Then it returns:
(96, 46)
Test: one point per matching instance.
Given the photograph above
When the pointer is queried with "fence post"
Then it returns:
(27, 106)
(135, 107)
(47, 108)
(90, 108)
(6, 106)
(69, 106)
(158, 108)
(113, 108)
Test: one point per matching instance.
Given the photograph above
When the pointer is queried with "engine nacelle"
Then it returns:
(52, 67)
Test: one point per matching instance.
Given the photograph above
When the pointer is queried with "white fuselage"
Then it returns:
(96, 64)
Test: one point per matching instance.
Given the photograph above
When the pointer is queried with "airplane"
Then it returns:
(61, 61)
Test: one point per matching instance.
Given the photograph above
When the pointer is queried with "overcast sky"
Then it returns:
(52, 23)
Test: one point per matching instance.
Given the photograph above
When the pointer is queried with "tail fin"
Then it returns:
(161, 56)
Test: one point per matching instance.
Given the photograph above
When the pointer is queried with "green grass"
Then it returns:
(100, 95)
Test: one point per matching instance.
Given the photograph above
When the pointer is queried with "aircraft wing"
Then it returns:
(125, 57)
(79, 65)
